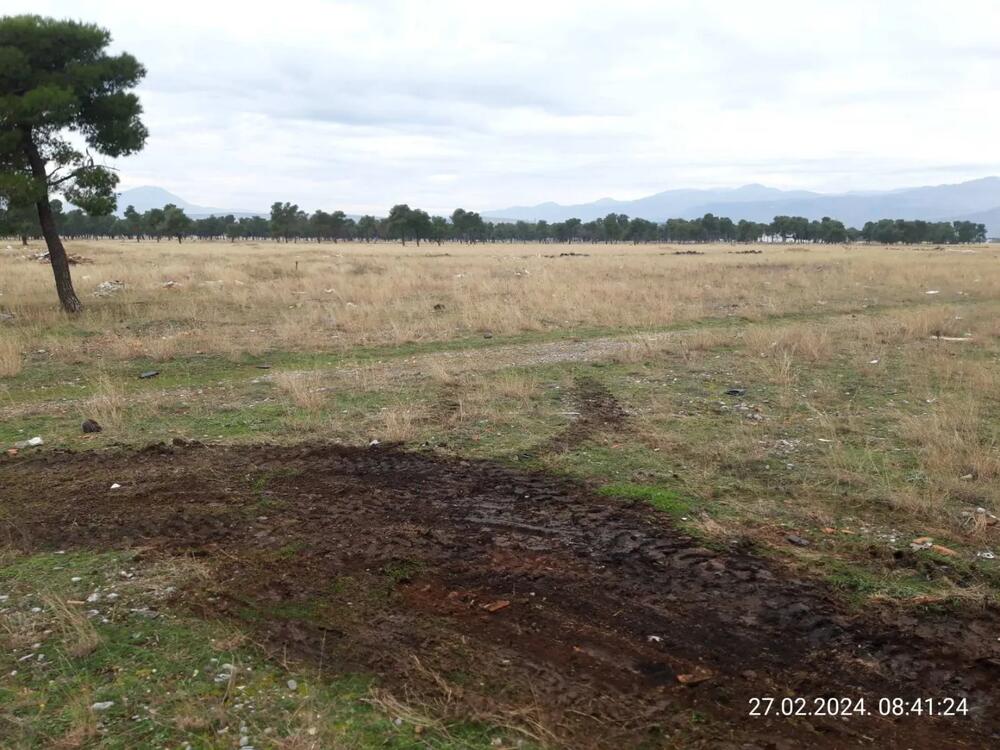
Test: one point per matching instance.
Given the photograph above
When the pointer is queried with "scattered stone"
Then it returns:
(148, 374)
(263, 367)
(786, 445)
(496, 606)
(91, 426)
(107, 288)
(93, 598)
(71, 259)
(439, 307)
(373, 442)
(736, 392)
(487, 335)
(798, 541)
(32, 443)
(293, 685)
(986, 555)
(102, 705)
(696, 677)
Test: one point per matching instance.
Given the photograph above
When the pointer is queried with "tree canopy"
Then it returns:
(57, 80)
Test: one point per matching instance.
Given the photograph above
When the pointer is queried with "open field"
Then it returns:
(675, 481)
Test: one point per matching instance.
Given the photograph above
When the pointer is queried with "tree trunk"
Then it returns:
(57, 253)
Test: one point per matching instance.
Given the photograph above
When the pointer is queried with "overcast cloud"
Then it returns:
(359, 105)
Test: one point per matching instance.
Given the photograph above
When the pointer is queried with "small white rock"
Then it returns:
(102, 705)
(293, 685)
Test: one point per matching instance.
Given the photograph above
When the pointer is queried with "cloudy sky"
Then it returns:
(359, 105)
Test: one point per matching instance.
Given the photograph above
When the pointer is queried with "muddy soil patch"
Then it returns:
(490, 590)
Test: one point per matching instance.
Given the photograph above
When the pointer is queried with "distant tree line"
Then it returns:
(890, 232)
(288, 223)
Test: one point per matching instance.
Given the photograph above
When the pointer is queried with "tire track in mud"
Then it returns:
(597, 411)
(616, 627)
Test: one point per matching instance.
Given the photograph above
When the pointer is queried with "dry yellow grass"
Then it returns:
(401, 422)
(518, 386)
(955, 441)
(306, 390)
(11, 356)
(79, 635)
(108, 403)
(232, 299)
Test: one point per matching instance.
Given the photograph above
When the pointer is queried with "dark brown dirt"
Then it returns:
(382, 560)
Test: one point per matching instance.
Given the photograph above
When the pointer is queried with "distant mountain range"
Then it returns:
(146, 197)
(976, 200)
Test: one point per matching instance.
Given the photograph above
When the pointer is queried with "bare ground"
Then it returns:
(490, 591)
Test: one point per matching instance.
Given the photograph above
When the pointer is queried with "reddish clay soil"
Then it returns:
(489, 591)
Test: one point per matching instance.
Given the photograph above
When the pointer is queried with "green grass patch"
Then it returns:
(171, 680)
(662, 498)
(861, 584)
